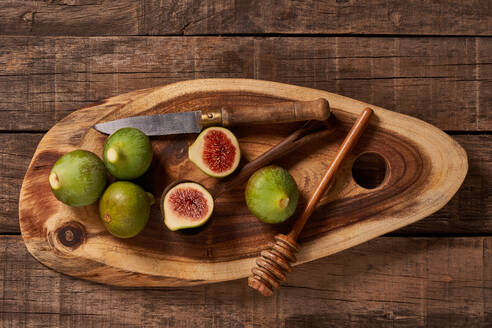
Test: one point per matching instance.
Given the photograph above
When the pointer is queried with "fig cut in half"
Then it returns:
(216, 152)
(186, 205)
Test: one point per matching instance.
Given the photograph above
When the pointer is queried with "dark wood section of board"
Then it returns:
(195, 17)
(386, 282)
(444, 81)
(469, 212)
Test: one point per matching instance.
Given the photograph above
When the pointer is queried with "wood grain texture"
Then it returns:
(444, 81)
(468, 212)
(421, 179)
(106, 17)
(282, 112)
(15, 156)
(69, 17)
(386, 282)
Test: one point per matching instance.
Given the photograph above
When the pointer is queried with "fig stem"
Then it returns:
(107, 218)
(54, 181)
(284, 201)
(151, 198)
(112, 155)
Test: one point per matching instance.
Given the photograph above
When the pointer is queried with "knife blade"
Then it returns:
(156, 125)
(195, 121)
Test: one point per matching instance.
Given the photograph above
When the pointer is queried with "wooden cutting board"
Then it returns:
(424, 169)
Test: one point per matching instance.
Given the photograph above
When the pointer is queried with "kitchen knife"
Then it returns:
(227, 116)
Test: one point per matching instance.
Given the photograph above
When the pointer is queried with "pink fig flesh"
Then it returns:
(186, 205)
(189, 202)
(216, 152)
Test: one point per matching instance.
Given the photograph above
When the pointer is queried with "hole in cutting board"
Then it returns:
(369, 170)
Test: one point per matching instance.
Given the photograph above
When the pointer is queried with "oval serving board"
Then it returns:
(425, 167)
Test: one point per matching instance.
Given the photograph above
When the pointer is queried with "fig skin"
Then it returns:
(195, 152)
(124, 209)
(271, 194)
(78, 178)
(127, 153)
(174, 221)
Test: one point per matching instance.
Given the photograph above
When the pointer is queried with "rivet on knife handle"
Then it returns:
(211, 117)
(291, 111)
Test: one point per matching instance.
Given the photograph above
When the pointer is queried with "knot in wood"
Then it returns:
(71, 234)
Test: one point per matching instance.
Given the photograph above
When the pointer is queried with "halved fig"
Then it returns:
(186, 205)
(216, 152)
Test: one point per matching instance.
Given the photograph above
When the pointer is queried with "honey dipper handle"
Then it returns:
(347, 145)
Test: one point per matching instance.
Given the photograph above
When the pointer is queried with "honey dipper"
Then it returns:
(275, 261)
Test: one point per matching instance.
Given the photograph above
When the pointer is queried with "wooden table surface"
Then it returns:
(429, 59)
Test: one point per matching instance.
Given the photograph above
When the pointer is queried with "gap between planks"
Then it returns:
(260, 35)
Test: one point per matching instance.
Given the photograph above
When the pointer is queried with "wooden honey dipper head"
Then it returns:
(274, 262)
(272, 265)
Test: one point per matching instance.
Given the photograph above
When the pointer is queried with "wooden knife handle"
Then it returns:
(283, 112)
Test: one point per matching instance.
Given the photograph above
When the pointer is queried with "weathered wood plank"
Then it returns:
(470, 211)
(105, 17)
(387, 282)
(70, 17)
(434, 79)
(444, 81)
(15, 156)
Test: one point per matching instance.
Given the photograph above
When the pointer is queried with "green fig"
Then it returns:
(78, 178)
(124, 209)
(127, 153)
(272, 194)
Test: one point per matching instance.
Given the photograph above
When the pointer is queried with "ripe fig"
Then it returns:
(271, 194)
(186, 205)
(216, 152)
(127, 153)
(78, 178)
(124, 209)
